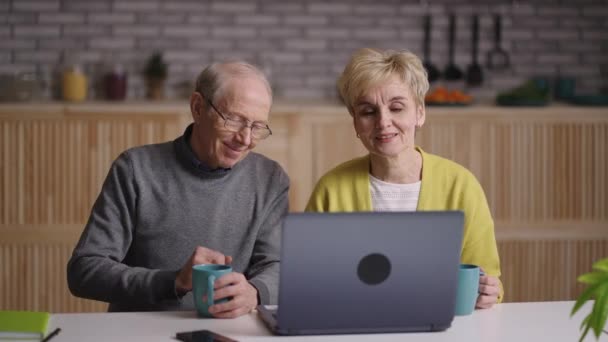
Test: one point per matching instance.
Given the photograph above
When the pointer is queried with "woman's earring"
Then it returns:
(358, 136)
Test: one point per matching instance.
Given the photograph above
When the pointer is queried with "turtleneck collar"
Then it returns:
(186, 153)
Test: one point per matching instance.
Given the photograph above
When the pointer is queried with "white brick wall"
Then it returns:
(135, 5)
(185, 31)
(304, 44)
(269, 6)
(283, 57)
(281, 32)
(61, 44)
(19, 18)
(161, 19)
(5, 57)
(234, 6)
(184, 6)
(17, 44)
(374, 9)
(112, 43)
(183, 56)
(112, 18)
(35, 6)
(61, 18)
(208, 19)
(211, 44)
(596, 11)
(36, 56)
(378, 34)
(305, 20)
(137, 31)
(257, 20)
(233, 32)
(36, 31)
(330, 8)
(84, 30)
(327, 33)
(79, 5)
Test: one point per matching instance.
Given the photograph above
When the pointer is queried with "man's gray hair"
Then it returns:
(212, 79)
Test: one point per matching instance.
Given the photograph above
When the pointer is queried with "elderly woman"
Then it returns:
(384, 93)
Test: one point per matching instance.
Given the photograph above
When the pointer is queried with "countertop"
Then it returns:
(286, 107)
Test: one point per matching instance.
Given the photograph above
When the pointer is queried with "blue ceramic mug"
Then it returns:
(468, 289)
(203, 279)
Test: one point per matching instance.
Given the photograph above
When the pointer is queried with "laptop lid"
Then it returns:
(368, 272)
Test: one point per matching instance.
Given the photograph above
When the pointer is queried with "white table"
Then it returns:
(542, 321)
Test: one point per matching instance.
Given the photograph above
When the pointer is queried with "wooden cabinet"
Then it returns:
(544, 171)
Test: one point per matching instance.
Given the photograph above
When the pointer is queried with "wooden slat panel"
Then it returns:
(542, 171)
(546, 270)
(33, 261)
(52, 170)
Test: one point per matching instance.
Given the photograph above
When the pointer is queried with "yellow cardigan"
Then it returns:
(446, 185)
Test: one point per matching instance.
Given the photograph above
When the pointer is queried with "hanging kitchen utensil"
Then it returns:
(498, 59)
(474, 73)
(452, 72)
(432, 72)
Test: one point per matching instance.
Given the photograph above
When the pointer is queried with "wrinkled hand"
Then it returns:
(489, 290)
(201, 255)
(244, 296)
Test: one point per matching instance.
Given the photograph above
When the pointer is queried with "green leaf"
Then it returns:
(600, 310)
(601, 265)
(585, 296)
(587, 326)
(593, 278)
(585, 321)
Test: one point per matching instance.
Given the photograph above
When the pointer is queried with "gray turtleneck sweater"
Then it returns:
(156, 205)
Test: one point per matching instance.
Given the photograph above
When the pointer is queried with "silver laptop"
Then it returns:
(367, 272)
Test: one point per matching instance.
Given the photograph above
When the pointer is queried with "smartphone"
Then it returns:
(202, 336)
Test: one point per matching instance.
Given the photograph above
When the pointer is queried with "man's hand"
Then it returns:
(244, 296)
(201, 255)
(489, 289)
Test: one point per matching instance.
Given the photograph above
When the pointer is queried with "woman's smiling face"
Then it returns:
(386, 117)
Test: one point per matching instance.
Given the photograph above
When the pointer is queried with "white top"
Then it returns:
(541, 321)
(392, 196)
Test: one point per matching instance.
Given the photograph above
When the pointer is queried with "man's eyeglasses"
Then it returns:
(259, 131)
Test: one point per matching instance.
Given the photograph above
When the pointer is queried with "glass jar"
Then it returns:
(116, 84)
(74, 84)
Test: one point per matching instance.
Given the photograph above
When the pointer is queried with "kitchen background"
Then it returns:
(543, 169)
(301, 44)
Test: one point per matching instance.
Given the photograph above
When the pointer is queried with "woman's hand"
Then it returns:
(489, 290)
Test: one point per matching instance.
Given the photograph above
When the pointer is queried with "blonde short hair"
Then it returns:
(370, 67)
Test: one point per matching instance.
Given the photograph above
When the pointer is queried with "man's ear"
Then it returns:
(196, 106)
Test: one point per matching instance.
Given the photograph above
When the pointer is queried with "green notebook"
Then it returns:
(23, 325)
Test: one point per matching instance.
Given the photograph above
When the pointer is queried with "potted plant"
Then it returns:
(597, 289)
(155, 73)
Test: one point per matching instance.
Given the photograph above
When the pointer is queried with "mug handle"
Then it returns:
(210, 283)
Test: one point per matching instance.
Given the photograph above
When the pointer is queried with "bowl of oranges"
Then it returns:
(442, 96)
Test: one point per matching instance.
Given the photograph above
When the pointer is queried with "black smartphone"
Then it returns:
(202, 336)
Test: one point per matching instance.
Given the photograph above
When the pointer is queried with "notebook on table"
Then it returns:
(23, 325)
(367, 272)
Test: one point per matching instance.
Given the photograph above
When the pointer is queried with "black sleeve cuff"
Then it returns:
(166, 286)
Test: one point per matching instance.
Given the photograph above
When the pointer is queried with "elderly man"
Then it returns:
(202, 198)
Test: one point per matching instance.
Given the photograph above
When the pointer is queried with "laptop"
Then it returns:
(367, 272)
